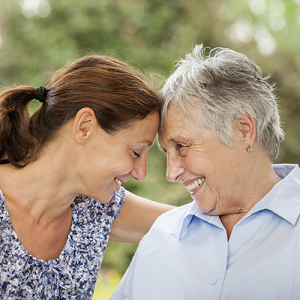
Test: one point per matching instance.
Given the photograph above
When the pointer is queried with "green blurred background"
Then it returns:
(39, 36)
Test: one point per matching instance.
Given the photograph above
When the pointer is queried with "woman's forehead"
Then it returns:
(178, 128)
(176, 120)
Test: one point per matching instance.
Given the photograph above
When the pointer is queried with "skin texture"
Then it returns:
(234, 179)
(81, 159)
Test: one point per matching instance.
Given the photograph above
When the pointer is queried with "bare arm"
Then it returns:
(135, 219)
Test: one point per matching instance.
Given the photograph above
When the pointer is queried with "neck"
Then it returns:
(258, 181)
(45, 188)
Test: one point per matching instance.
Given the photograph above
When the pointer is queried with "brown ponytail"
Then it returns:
(16, 140)
(116, 92)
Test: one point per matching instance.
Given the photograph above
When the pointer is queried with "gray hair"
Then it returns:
(217, 89)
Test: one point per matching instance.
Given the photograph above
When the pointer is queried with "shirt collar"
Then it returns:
(288, 187)
(192, 212)
(283, 199)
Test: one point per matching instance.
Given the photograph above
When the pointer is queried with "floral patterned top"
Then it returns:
(74, 273)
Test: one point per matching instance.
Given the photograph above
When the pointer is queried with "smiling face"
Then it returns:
(113, 159)
(213, 173)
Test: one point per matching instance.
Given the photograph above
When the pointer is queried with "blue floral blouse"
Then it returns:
(74, 273)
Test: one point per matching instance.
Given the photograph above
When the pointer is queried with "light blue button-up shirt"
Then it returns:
(186, 254)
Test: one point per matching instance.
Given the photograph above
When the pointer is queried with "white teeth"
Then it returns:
(195, 184)
(119, 182)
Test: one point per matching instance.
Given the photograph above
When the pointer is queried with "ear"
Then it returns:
(83, 123)
(247, 128)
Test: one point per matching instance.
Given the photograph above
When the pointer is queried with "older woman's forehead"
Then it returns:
(178, 128)
(178, 121)
(174, 117)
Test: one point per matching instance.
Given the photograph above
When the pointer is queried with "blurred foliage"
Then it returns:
(106, 284)
(39, 36)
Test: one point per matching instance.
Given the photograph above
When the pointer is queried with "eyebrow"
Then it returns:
(147, 142)
(175, 140)
(178, 139)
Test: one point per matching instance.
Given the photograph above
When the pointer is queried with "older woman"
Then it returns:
(61, 174)
(240, 237)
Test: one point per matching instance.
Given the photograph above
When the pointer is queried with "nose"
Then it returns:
(174, 168)
(139, 171)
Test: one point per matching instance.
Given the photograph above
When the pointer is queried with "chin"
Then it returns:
(103, 198)
(103, 194)
(204, 208)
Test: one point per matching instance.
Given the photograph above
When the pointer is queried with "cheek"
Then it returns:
(196, 164)
(124, 164)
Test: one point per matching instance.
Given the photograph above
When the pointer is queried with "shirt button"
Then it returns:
(214, 280)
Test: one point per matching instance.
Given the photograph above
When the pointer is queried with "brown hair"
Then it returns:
(117, 93)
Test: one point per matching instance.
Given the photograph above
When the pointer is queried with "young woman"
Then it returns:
(61, 173)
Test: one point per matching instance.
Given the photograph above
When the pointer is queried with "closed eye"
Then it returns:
(182, 149)
(136, 154)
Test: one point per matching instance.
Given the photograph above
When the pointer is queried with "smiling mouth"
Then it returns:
(118, 181)
(195, 184)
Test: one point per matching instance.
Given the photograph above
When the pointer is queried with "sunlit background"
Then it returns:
(39, 36)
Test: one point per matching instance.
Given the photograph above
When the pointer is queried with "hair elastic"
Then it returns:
(41, 93)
